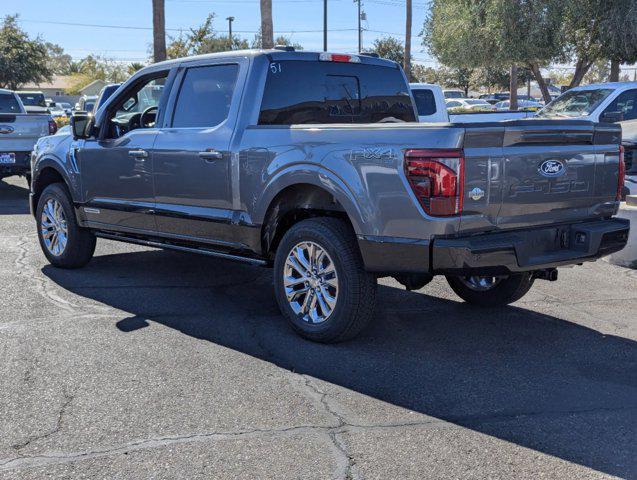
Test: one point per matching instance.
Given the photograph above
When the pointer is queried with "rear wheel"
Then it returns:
(64, 243)
(320, 283)
(491, 291)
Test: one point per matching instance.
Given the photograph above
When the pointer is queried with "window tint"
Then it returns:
(302, 92)
(205, 96)
(625, 103)
(8, 104)
(425, 101)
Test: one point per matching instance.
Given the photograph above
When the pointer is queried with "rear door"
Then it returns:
(192, 160)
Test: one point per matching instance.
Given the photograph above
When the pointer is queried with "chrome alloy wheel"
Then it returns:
(310, 282)
(53, 227)
(481, 284)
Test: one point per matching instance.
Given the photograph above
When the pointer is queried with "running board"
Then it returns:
(180, 248)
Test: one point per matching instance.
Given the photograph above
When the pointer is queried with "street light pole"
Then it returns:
(325, 25)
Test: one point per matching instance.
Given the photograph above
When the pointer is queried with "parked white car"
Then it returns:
(473, 104)
(599, 102)
(430, 102)
(522, 104)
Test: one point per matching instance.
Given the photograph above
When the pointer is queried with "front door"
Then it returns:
(192, 158)
(117, 167)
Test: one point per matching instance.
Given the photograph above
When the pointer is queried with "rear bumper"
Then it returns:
(499, 253)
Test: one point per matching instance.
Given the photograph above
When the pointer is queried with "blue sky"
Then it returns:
(302, 20)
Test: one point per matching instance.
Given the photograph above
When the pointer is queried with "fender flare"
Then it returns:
(317, 176)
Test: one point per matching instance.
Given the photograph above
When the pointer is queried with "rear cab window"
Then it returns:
(9, 104)
(315, 92)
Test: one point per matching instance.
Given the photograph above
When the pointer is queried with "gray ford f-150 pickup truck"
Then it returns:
(19, 132)
(313, 163)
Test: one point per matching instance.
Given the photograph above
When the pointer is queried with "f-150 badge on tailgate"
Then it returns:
(552, 168)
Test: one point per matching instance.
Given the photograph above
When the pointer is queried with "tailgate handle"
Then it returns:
(211, 154)
(138, 153)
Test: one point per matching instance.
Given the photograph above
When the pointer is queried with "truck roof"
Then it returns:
(275, 54)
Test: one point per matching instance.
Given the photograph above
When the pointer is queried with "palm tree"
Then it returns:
(159, 31)
(407, 61)
(267, 30)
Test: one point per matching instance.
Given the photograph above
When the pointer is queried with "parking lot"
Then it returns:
(152, 364)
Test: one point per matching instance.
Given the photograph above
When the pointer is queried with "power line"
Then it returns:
(131, 27)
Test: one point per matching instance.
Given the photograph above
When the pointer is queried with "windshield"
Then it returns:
(8, 104)
(476, 102)
(453, 94)
(33, 99)
(575, 103)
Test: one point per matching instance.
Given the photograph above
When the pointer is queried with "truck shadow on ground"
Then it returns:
(14, 200)
(528, 378)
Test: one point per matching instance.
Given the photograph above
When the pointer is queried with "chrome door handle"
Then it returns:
(211, 154)
(138, 153)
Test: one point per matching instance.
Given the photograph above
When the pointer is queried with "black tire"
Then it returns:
(80, 244)
(356, 299)
(508, 290)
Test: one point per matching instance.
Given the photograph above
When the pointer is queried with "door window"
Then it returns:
(205, 96)
(625, 103)
(138, 108)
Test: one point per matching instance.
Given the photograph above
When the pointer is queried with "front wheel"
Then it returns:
(491, 291)
(64, 243)
(320, 282)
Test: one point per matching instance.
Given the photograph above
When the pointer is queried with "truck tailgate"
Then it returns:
(20, 132)
(537, 172)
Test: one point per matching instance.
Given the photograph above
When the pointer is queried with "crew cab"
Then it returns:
(18, 134)
(314, 164)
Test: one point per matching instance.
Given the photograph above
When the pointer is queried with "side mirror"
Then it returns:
(612, 117)
(80, 122)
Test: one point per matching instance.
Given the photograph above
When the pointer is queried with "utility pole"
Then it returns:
(325, 25)
(230, 20)
(407, 59)
(360, 31)
(159, 31)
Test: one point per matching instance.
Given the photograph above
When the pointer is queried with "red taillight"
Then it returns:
(53, 127)
(622, 174)
(436, 177)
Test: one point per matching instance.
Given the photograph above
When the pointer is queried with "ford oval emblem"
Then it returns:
(552, 168)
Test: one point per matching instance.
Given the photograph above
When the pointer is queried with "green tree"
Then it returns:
(496, 33)
(203, 39)
(93, 68)
(134, 67)
(619, 33)
(390, 48)
(58, 61)
(280, 40)
(22, 59)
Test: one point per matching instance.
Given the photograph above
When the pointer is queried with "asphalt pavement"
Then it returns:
(151, 364)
